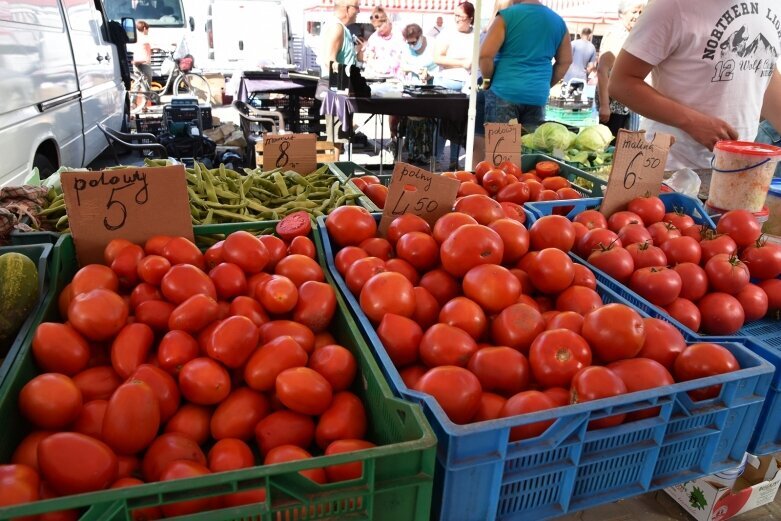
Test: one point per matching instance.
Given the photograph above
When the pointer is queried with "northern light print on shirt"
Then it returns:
(735, 50)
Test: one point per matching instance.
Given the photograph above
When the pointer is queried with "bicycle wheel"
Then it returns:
(138, 98)
(194, 85)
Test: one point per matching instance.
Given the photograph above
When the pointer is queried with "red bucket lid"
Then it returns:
(749, 148)
(764, 212)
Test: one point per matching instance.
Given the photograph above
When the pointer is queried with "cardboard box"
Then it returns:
(217, 86)
(706, 499)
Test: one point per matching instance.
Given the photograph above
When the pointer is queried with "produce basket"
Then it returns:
(762, 336)
(481, 475)
(396, 483)
(41, 255)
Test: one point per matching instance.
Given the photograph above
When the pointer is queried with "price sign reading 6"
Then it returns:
(630, 177)
(503, 143)
(498, 157)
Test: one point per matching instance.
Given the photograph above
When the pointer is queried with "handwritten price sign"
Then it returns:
(130, 203)
(416, 191)
(297, 152)
(638, 168)
(503, 143)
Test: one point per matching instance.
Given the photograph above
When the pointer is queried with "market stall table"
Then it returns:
(448, 108)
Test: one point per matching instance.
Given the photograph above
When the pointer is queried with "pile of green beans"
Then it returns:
(53, 216)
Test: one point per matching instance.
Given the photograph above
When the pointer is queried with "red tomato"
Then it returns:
(493, 287)
(58, 348)
(448, 223)
(555, 183)
(591, 219)
(481, 168)
(682, 249)
(456, 390)
(556, 355)
(500, 369)
(278, 295)
(441, 284)
(26, 453)
(316, 305)
(360, 271)
(584, 277)
(387, 292)
(662, 232)
(426, 307)
(98, 314)
(523, 403)
(229, 280)
(659, 285)
(296, 224)
(350, 225)
(269, 360)
(276, 248)
(155, 245)
(176, 348)
(615, 332)
(494, 180)
(230, 454)
(713, 245)
(650, 209)
(204, 381)
(378, 194)
(300, 269)
(634, 233)
(547, 195)
(131, 348)
(678, 219)
(552, 231)
(285, 453)
(405, 268)
(238, 414)
(510, 168)
(469, 246)
(93, 276)
(727, 274)
(233, 341)
(179, 250)
(404, 224)
(283, 428)
(552, 271)
(579, 299)
(125, 265)
(250, 308)
(513, 211)
(183, 469)
(97, 383)
(193, 421)
(346, 471)
(444, 345)
(132, 418)
(773, 290)
(596, 239)
(753, 300)
(152, 268)
(470, 188)
(345, 418)
(697, 231)
(194, 314)
(246, 251)
(741, 226)
(303, 390)
(164, 387)
(167, 448)
(663, 342)
(419, 249)
(722, 314)
(615, 261)
(213, 255)
(685, 312)
(50, 401)
(400, 336)
(183, 281)
(566, 320)
(90, 420)
(346, 257)
(154, 313)
(620, 219)
(484, 209)
(336, 364)
(763, 260)
(639, 374)
(377, 247)
(694, 281)
(466, 315)
(594, 383)
(515, 239)
(300, 333)
(517, 326)
(113, 249)
(703, 360)
(645, 255)
(517, 193)
(324, 338)
(73, 463)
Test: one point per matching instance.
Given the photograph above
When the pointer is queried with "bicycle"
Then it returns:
(144, 94)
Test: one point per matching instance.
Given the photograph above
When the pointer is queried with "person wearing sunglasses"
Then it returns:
(384, 49)
(338, 43)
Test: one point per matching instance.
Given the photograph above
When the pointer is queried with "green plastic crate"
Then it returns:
(346, 170)
(40, 254)
(398, 474)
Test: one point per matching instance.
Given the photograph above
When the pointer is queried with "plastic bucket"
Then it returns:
(741, 175)
(773, 225)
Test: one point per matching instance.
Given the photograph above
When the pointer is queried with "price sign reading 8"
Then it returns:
(283, 157)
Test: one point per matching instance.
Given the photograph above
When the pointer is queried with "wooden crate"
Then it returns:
(327, 152)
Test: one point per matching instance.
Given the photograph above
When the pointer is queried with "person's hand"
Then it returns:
(466, 63)
(707, 130)
(604, 114)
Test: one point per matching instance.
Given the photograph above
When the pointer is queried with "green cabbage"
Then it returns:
(551, 136)
(528, 140)
(595, 138)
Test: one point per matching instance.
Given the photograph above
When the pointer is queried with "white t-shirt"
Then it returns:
(459, 47)
(715, 56)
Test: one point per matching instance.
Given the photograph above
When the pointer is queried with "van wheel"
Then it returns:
(45, 167)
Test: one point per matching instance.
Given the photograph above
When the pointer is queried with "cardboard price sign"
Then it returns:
(297, 152)
(416, 191)
(503, 143)
(129, 203)
(638, 168)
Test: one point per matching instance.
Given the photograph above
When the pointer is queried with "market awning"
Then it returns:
(434, 6)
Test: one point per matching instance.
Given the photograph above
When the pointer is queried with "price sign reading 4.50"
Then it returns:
(638, 168)
(414, 190)
(129, 203)
(297, 152)
(503, 143)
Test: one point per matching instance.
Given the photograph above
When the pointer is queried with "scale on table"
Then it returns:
(428, 91)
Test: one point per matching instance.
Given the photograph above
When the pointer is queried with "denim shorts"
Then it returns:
(498, 110)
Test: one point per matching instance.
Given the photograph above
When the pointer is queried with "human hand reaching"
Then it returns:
(604, 114)
(707, 130)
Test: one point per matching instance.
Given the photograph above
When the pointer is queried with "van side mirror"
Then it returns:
(129, 26)
(191, 21)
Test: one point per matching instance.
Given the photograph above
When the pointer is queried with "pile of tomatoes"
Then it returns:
(174, 363)
(494, 320)
(700, 276)
(371, 186)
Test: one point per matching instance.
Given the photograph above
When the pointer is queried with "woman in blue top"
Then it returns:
(525, 52)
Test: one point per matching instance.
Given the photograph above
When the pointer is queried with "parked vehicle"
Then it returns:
(60, 76)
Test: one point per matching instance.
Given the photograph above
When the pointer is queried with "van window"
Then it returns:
(79, 14)
(157, 13)
(34, 12)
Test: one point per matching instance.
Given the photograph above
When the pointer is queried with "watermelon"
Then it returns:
(18, 295)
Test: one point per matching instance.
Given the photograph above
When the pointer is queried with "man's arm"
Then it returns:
(592, 61)
(771, 106)
(627, 85)
(604, 66)
(441, 59)
(332, 42)
(493, 41)
(563, 60)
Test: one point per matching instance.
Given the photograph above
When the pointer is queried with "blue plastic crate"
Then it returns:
(40, 254)
(482, 475)
(762, 336)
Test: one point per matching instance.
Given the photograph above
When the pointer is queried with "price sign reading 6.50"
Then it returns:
(414, 190)
(638, 168)
(129, 203)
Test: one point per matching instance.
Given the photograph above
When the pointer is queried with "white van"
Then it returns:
(59, 77)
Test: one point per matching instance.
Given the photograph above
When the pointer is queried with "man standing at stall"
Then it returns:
(584, 58)
(338, 43)
(714, 73)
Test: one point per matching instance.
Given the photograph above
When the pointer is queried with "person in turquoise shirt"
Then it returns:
(526, 51)
(338, 43)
